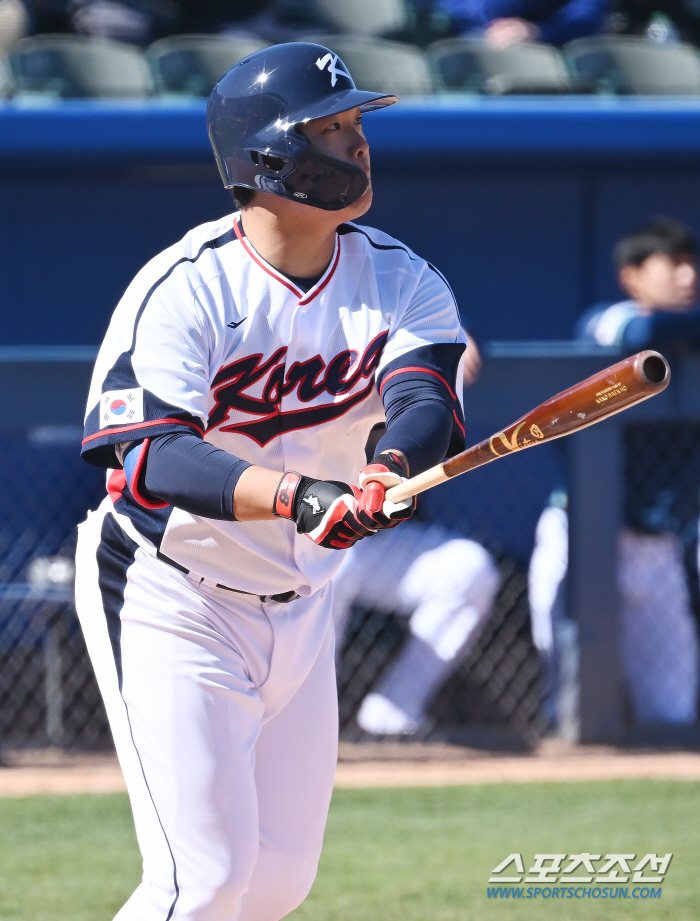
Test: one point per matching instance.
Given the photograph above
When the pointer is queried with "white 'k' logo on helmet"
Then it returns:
(330, 60)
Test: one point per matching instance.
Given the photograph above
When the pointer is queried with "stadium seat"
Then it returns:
(72, 66)
(468, 65)
(359, 17)
(636, 66)
(192, 64)
(392, 67)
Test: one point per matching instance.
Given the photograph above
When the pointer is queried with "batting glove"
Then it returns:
(327, 511)
(382, 472)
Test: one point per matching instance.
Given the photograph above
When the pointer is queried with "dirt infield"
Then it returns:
(25, 773)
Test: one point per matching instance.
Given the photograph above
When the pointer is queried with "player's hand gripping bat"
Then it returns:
(608, 392)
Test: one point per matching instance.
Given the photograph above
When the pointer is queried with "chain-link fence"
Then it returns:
(447, 628)
(447, 636)
(432, 619)
(48, 694)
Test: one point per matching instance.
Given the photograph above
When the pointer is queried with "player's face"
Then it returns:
(662, 282)
(341, 136)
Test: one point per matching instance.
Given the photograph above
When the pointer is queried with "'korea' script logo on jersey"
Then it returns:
(121, 407)
(311, 379)
(331, 60)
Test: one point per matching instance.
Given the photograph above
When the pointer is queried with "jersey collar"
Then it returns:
(304, 298)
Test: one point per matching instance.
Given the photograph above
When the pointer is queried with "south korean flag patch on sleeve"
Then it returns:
(121, 407)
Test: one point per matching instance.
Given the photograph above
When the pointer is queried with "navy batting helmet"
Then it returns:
(253, 114)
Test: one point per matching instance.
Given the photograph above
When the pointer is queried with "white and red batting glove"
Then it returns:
(327, 511)
(382, 472)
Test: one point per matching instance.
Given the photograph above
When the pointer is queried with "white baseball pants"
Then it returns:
(658, 636)
(447, 586)
(223, 711)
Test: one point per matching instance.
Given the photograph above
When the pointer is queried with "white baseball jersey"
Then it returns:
(210, 338)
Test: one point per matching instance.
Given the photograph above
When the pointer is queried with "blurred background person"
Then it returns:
(443, 583)
(14, 23)
(506, 22)
(143, 21)
(657, 574)
(657, 269)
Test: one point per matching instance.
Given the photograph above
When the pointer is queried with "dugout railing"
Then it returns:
(496, 694)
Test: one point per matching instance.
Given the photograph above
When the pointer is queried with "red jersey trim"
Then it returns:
(421, 370)
(141, 425)
(305, 298)
(134, 484)
(116, 485)
(321, 284)
(263, 265)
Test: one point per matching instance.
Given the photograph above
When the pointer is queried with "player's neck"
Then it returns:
(296, 240)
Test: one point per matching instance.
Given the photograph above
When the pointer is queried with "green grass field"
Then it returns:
(394, 855)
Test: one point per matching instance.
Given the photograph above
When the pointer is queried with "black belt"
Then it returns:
(282, 598)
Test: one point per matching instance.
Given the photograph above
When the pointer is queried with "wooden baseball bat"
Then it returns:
(608, 392)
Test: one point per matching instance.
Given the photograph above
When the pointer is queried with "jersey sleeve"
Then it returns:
(430, 318)
(152, 373)
(427, 344)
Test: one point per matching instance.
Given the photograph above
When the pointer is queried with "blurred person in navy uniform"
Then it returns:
(506, 22)
(657, 268)
(443, 583)
(140, 21)
(657, 563)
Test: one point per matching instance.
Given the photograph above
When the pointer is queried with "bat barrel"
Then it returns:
(598, 397)
(653, 368)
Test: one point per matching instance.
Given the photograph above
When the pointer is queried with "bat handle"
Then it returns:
(417, 484)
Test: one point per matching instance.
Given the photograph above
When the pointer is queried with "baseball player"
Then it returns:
(657, 269)
(231, 400)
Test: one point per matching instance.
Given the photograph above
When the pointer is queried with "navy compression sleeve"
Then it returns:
(423, 414)
(419, 422)
(183, 470)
